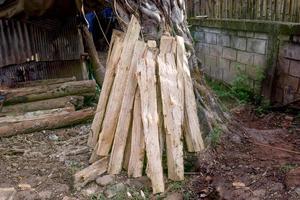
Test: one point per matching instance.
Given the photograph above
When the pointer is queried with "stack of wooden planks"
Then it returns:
(45, 104)
(146, 109)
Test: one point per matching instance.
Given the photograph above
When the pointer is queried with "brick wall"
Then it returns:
(225, 53)
(288, 71)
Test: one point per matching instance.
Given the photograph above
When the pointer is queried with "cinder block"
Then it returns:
(237, 67)
(291, 51)
(260, 60)
(245, 57)
(215, 50)
(224, 40)
(224, 64)
(252, 72)
(199, 36)
(295, 68)
(239, 43)
(278, 95)
(283, 65)
(210, 38)
(210, 61)
(229, 54)
(256, 45)
(296, 39)
(261, 36)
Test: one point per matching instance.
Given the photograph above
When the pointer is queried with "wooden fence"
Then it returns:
(271, 10)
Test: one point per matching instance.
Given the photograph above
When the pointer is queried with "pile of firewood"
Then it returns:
(44, 104)
(146, 107)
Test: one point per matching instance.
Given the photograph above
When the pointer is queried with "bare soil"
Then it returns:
(256, 154)
(253, 159)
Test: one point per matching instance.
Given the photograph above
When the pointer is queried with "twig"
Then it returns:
(101, 28)
(277, 148)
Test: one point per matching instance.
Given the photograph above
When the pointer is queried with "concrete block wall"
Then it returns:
(288, 71)
(225, 53)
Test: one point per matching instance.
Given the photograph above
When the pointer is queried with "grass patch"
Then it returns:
(215, 137)
(287, 167)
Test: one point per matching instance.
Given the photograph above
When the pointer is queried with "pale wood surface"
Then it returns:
(147, 85)
(137, 151)
(116, 157)
(191, 122)
(105, 90)
(114, 104)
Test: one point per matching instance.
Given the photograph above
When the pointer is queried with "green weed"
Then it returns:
(215, 137)
(288, 167)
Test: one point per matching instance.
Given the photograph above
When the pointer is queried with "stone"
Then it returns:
(62, 188)
(7, 193)
(210, 38)
(215, 50)
(256, 45)
(210, 61)
(229, 54)
(276, 187)
(105, 180)
(174, 196)
(245, 57)
(260, 60)
(224, 40)
(236, 139)
(27, 195)
(199, 36)
(24, 186)
(295, 68)
(53, 137)
(260, 193)
(297, 190)
(140, 182)
(261, 36)
(239, 43)
(69, 198)
(90, 190)
(45, 195)
(292, 178)
(114, 190)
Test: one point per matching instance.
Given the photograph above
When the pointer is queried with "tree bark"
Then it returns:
(54, 121)
(98, 68)
(47, 104)
(168, 17)
(29, 94)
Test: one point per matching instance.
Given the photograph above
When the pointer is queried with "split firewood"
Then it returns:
(147, 85)
(117, 153)
(90, 173)
(137, 150)
(192, 131)
(115, 100)
(172, 104)
(47, 104)
(29, 94)
(105, 90)
(54, 121)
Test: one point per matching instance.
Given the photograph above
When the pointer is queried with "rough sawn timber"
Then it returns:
(115, 100)
(117, 153)
(147, 84)
(112, 62)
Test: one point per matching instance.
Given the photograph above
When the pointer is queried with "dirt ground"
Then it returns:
(252, 161)
(258, 158)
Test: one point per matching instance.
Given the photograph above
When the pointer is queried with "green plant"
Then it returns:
(287, 167)
(176, 185)
(215, 137)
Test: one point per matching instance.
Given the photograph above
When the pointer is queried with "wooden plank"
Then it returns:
(172, 101)
(137, 151)
(147, 85)
(115, 100)
(90, 173)
(105, 91)
(191, 122)
(117, 153)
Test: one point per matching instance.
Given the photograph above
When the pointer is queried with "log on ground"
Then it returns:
(47, 104)
(29, 94)
(51, 122)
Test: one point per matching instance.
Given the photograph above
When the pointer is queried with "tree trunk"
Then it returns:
(29, 94)
(98, 68)
(47, 104)
(168, 17)
(54, 121)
